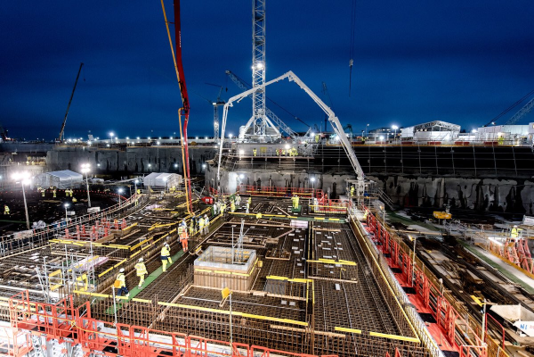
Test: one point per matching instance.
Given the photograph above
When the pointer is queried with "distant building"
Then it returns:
(434, 131)
(504, 134)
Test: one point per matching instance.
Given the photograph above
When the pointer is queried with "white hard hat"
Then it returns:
(122, 270)
(515, 225)
(140, 259)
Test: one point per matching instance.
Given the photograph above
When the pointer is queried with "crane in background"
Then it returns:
(522, 112)
(216, 106)
(62, 131)
(328, 101)
(283, 126)
(184, 110)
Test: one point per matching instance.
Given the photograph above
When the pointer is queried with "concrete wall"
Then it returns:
(484, 194)
(334, 184)
(130, 160)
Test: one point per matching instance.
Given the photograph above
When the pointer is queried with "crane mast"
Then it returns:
(62, 131)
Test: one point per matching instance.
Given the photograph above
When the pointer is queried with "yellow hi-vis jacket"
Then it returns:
(165, 252)
(515, 232)
(120, 281)
(141, 269)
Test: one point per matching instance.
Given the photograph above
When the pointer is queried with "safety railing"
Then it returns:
(14, 243)
(442, 308)
(63, 320)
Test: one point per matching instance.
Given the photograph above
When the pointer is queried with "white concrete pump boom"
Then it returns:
(334, 121)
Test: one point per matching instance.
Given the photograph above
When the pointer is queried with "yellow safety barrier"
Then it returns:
(395, 337)
(477, 300)
(294, 280)
(331, 261)
(350, 330)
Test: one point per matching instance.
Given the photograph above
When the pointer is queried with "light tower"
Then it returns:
(259, 127)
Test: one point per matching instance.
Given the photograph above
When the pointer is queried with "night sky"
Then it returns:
(414, 61)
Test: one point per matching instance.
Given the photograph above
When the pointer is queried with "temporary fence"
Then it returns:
(73, 326)
(514, 251)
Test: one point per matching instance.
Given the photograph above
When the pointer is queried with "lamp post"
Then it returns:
(24, 178)
(395, 127)
(120, 191)
(367, 130)
(313, 186)
(85, 170)
(66, 215)
(111, 135)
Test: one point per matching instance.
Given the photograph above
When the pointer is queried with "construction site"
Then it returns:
(271, 242)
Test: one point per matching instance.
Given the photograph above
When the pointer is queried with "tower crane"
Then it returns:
(62, 131)
(283, 126)
(184, 110)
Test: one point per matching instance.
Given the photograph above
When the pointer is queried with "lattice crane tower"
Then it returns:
(259, 126)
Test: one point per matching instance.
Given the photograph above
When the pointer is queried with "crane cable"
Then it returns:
(352, 37)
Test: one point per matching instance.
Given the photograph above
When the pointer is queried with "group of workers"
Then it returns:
(288, 152)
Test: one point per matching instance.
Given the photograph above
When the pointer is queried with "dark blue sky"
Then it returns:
(415, 61)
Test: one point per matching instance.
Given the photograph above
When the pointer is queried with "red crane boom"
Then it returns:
(179, 67)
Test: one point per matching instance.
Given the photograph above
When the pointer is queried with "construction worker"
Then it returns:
(140, 269)
(237, 199)
(248, 206)
(191, 227)
(206, 224)
(201, 224)
(317, 137)
(120, 283)
(54, 191)
(138, 191)
(352, 191)
(183, 236)
(254, 151)
(249, 200)
(166, 256)
(295, 200)
(6, 210)
(223, 208)
(43, 192)
(67, 192)
(258, 215)
(232, 206)
(514, 233)
(315, 206)
(283, 152)
(74, 200)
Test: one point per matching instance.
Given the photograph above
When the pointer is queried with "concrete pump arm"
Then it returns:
(334, 121)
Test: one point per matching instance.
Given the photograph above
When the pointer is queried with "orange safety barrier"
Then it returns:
(63, 321)
(432, 297)
(515, 252)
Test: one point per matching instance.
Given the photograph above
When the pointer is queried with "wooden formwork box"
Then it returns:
(234, 279)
